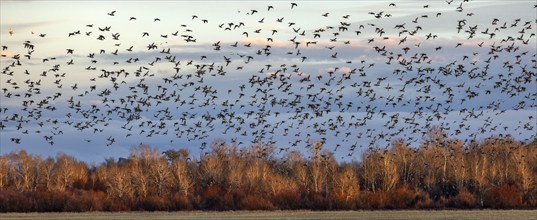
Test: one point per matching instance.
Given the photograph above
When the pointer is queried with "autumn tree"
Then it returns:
(405, 159)
(4, 169)
(181, 176)
(370, 169)
(496, 172)
(346, 182)
(23, 170)
(117, 180)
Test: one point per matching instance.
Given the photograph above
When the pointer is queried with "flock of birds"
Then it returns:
(340, 83)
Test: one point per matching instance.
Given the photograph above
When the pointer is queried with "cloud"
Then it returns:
(184, 100)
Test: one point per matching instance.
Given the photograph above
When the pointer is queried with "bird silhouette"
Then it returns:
(337, 80)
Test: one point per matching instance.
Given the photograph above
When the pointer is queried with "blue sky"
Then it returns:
(345, 91)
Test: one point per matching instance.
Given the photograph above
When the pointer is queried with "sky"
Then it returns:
(353, 74)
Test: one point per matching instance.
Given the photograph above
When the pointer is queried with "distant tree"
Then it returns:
(478, 162)
(181, 176)
(46, 172)
(458, 165)
(67, 171)
(497, 172)
(139, 175)
(370, 169)
(317, 169)
(299, 169)
(346, 182)
(117, 180)
(213, 169)
(405, 159)
(389, 170)
(525, 172)
(23, 169)
(4, 169)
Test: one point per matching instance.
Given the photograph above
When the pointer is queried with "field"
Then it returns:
(365, 215)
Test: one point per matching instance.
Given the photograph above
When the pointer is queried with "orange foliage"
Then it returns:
(433, 176)
(503, 197)
(463, 200)
(401, 198)
(256, 202)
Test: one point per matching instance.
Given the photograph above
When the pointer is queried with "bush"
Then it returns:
(374, 200)
(179, 202)
(423, 201)
(463, 200)
(213, 198)
(318, 201)
(531, 198)
(14, 201)
(118, 207)
(340, 201)
(256, 202)
(401, 198)
(51, 201)
(503, 197)
(153, 203)
(288, 200)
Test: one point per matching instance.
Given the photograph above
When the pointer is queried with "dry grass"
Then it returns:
(262, 215)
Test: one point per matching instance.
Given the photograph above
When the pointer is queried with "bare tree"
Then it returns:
(23, 169)
(370, 168)
(522, 162)
(213, 169)
(390, 174)
(139, 176)
(149, 164)
(347, 182)
(182, 177)
(4, 169)
(117, 181)
(479, 162)
(160, 175)
(316, 167)
(405, 161)
(458, 165)
(299, 169)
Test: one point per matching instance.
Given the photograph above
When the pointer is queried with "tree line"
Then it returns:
(498, 173)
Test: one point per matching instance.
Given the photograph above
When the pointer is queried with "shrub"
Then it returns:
(318, 201)
(288, 200)
(374, 200)
(401, 198)
(51, 201)
(463, 200)
(213, 198)
(153, 203)
(503, 197)
(118, 206)
(178, 202)
(341, 201)
(87, 201)
(530, 198)
(423, 201)
(14, 201)
(256, 202)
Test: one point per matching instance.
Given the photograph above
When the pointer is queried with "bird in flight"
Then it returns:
(337, 79)
(293, 4)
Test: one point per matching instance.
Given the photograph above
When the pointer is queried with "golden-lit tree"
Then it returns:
(23, 170)
(496, 172)
(117, 180)
(4, 168)
(346, 182)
